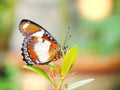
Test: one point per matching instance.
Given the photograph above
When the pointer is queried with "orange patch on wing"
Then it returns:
(54, 48)
(47, 38)
(53, 51)
(31, 51)
(30, 29)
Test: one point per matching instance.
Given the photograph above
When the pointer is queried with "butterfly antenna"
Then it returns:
(67, 37)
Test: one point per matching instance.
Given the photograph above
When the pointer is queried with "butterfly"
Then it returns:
(39, 46)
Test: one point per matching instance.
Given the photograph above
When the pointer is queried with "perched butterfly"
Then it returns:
(39, 46)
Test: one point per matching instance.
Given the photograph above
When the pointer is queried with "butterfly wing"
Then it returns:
(39, 46)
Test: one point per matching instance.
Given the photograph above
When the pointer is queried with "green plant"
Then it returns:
(58, 73)
(7, 14)
(7, 76)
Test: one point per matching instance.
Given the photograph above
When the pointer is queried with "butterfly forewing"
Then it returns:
(27, 28)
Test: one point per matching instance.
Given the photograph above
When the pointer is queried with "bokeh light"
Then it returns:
(95, 10)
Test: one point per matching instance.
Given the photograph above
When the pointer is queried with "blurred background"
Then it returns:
(94, 26)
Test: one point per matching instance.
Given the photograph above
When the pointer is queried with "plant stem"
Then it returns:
(54, 84)
(60, 83)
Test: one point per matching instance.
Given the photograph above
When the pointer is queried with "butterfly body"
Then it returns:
(39, 46)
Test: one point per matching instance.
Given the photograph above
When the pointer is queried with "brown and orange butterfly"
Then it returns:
(39, 46)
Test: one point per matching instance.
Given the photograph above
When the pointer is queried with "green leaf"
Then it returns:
(69, 60)
(79, 83)
(39, 71)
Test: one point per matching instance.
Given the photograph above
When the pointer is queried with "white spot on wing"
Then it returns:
(26, 25)
(39, 34)
(42, 50)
